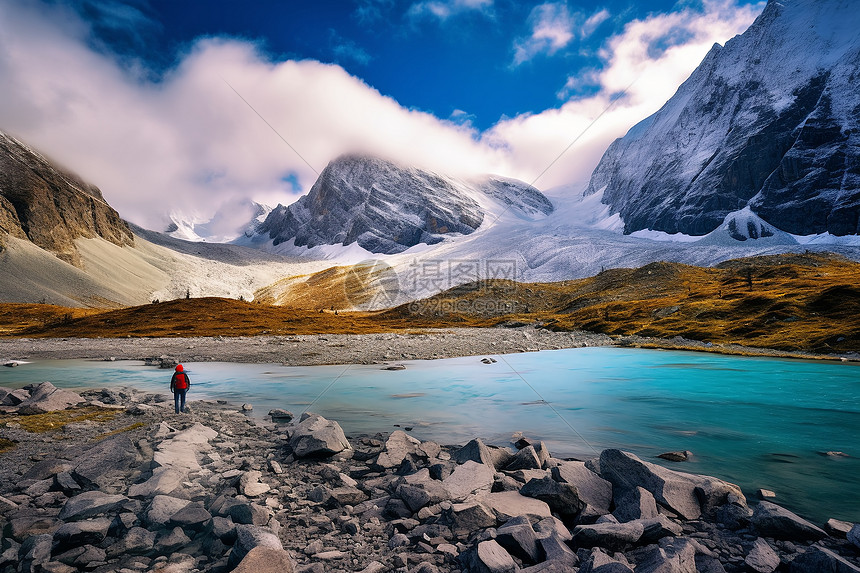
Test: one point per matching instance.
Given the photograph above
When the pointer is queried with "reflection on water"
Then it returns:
(758, 422)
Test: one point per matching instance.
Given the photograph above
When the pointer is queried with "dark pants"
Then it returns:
(179, 400)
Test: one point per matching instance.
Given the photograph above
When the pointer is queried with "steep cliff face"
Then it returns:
(51, 208)
(387, 208)
(771, 121)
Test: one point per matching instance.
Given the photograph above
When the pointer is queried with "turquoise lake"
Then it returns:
(757, 422)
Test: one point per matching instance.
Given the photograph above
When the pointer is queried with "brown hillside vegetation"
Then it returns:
(791, 302)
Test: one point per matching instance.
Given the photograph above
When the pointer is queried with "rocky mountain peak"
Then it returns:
(771, 121)
(50, 207)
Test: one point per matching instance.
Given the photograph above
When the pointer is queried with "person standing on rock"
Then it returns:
(179, 384)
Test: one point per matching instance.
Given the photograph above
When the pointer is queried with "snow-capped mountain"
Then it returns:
(233, 220)
(770, 121)
(386, 208)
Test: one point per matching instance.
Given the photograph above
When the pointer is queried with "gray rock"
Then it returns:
(838, 528)
(162, 508)
(509, 504)
(224, 529)
(419, 489)
(592, 489)
(479, 452)
(771, 520)
(13, 397)
(489, 557)
(176, 539)
(191, 517)
(614, 536)
(678, 491)
(819, 559)
(562, 498)
(398, 445)
(250, 485)
(281, 416)
(263, 559)
(91, 504)
(600, 562)
(35, 552)
(671, 556)
(77, 533)
(137, 541)
(468, 517)
(107, 462)
(519, 539)
(761, 557)
(657, 528)
(467, 479)
(247, 538)
(635, 503)
(47, 468)
(65, 483)
(679, 456)
(525, 459)
(163, 481)
(557, 551)
(315, 436)
(27, 522)
(552, 526)
(853, 535)
(45, 397)
(708, 564)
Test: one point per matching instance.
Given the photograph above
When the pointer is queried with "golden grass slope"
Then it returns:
(794, 302)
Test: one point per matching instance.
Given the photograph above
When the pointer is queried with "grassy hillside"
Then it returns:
(788, 302)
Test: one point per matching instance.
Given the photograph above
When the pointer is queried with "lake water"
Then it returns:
(758, 422)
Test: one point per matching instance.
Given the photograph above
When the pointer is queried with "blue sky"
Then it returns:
(133, 95)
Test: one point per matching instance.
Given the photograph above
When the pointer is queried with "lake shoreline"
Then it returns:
(375, 348)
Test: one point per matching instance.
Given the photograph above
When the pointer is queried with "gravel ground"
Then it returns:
(307, 350)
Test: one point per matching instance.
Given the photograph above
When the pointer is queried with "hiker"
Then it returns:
(179, 385)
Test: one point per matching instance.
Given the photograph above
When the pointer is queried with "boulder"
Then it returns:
(315, 436)
(170, 542)
(552, 526)
(600, 562)
(47, 468)
(592, 489)
(557, 551)
(467, 479)
(838, 528)
(509, 504)
(656, 528)
(263, 559)
(519, 539)
(488, 557)
(561, 498)
(34, 553)
(525, 459)
(853, 535)
(635, 503)
(761, 558)
(477, 451)
(163, 481)
(819, 559)
(419, 489)
(91, 504)
(137, 541)
(679, 456)
(180, 451)
(250, 485)
(281, 416)
(192, 517)
(398, 445)
(671, 556)
(614, 536)
(45, 397)
(162, 508)
(771, 520)
(247, 538)
(78, 533)
(468, 517)
(677, 491)
(107, 462)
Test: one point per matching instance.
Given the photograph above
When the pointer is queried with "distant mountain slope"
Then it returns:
(770, 121)
(49, 207)
(386, 208)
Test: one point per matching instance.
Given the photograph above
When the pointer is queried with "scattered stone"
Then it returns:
(676, 456)
(561, 498)
(592, 489)
(635, 503)
(600, 562)
(46, 397)
(510, 504)
(397, 447)
(262, 559)
(281, 416)
(315, 436)
(837, 528)
(249, 484)
(525, 459)
(819, 559)
(73, 534)
(250, 536)
(489, 557)
(467, 479)
(761, 558)
(519, 539)
(771, 520)
(766, 494)
(90, 504)
(614, 536)
(106, 462)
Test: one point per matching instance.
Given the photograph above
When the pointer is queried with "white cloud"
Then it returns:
(593, 22)
(187, 143)
(444, 9)
(552, 28)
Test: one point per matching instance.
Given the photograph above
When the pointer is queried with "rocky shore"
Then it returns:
(308, 350)
(113, 480)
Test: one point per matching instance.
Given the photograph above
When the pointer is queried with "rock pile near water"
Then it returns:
(214, 491)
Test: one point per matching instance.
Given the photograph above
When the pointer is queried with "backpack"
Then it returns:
(181, 381)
